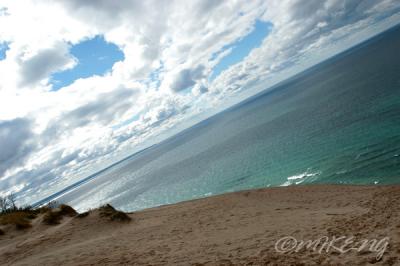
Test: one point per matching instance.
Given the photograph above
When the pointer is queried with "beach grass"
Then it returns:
(108, 211)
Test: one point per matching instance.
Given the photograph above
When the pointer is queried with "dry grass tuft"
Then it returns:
(18, 218)
(23, 224)
(44, 209)
(31, 215)
(83, 214)
(67, 210)
(113, 214)
(53, 217)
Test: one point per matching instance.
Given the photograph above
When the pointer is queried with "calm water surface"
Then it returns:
(338, 122)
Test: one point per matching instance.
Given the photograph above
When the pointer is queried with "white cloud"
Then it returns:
(169, 49)
(16, 142)
(45, 62)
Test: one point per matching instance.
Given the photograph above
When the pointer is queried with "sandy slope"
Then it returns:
(238, 228)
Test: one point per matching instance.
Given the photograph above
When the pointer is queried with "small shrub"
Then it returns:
(114, 215)
(48, 207)
(120, 216)
(31, 215)
(44, 209)
(67, 210)
(2, 232)
(83, 214)
(23, 224)
(52, 217)
(7, 204)
(18, 218)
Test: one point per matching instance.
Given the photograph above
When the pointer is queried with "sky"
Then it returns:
(85, 83)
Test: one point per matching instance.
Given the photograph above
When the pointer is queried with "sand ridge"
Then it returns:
(239, 228)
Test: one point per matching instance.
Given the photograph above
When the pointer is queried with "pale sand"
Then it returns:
(232, 229)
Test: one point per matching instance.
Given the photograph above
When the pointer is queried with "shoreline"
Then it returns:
(251, 190)
(234, 228)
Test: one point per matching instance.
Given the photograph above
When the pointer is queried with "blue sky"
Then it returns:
(3, 50)
(242, 47)
(95, 57)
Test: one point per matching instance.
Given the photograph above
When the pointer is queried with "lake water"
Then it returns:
(338, 122)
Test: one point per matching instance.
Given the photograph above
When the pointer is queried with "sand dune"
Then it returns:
(233, 229)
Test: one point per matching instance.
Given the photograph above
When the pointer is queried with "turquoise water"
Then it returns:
(338, 122)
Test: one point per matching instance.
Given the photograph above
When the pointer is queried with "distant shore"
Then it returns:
(257, 227)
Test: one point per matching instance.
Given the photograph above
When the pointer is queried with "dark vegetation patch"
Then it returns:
(20, 219)
(66, 210)
(112, 214)
(54, 216)
(83, 214)
(52, 213)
